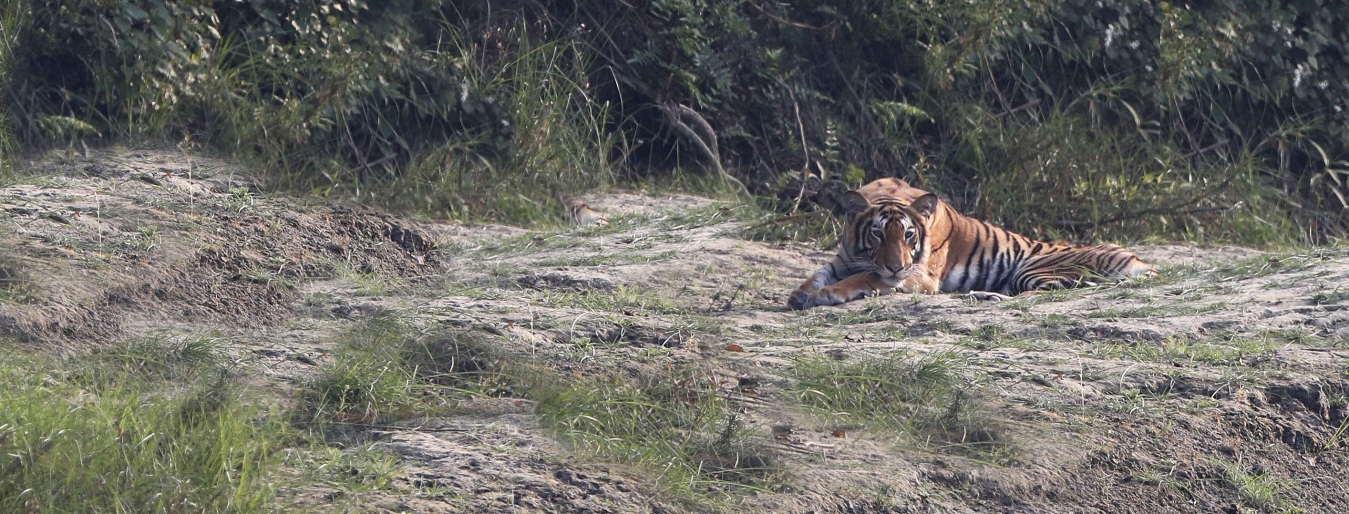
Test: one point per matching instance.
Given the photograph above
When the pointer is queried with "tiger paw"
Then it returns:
(989, 296)
(808, 300)
(824, 296)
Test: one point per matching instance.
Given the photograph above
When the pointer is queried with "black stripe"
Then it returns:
(1122, 262)
(921, 237)
(857, 229)
(1004, 273)
(1054, 259)
(988, 255)
(1110, 266)
(974, 269)
(995, 256)
(950, 226)
(969, 266)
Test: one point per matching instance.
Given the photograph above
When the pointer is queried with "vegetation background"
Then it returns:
(1204, 120)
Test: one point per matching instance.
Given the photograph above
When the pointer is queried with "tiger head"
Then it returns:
(887, 235)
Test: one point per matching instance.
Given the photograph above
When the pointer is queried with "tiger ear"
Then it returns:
(925, 205)
(854, 203)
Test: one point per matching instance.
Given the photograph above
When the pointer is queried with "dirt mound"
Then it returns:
(156, 236)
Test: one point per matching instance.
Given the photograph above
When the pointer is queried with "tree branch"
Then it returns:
(704, 139)
(805, 166)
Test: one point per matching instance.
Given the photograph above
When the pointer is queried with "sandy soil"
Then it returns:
(1124, 398)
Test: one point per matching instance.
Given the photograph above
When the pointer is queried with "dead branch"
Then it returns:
(704, 138)
(805, 167)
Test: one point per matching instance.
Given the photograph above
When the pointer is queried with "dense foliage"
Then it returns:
(1220, 119)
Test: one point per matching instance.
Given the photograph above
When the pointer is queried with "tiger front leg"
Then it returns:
(827, 275)
(852, 288)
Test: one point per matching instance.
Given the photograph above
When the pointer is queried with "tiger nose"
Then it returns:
(895, 268)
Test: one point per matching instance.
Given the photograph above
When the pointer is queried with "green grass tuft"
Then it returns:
(389, 368)
(163, 357)
(1257, 490)
(678, 425)
(927, 399)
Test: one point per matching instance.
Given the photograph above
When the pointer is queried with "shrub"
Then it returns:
(1143, 118)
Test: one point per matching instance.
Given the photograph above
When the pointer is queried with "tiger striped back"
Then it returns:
(903, 238)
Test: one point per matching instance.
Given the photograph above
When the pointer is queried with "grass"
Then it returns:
(352, 473)
(818, 229)
(388, 368)
(1149, 311)
(678, 425)
(876, 309)
(11, 18)
(638, 233)
(1329, 297)
(1337, 435)
(1271, 263)
(167, 424)
(145, 238)
(927, 399)
(1166, 480)
(1025, 301)
(997, 336)
(1223, 350)
(621, 258)
(107, 440)
(1256, 490)
(163, 357)
(369, 282)
(625, 300)
(16, 285)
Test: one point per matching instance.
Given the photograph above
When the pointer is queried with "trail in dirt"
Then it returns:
(1136, 397)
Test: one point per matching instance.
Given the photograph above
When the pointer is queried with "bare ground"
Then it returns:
(1164, 394)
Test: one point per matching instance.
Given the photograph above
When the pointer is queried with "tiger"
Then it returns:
(901, 238)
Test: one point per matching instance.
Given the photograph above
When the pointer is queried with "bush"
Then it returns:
(987, 101)
(398, 104)
(1219, 119)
